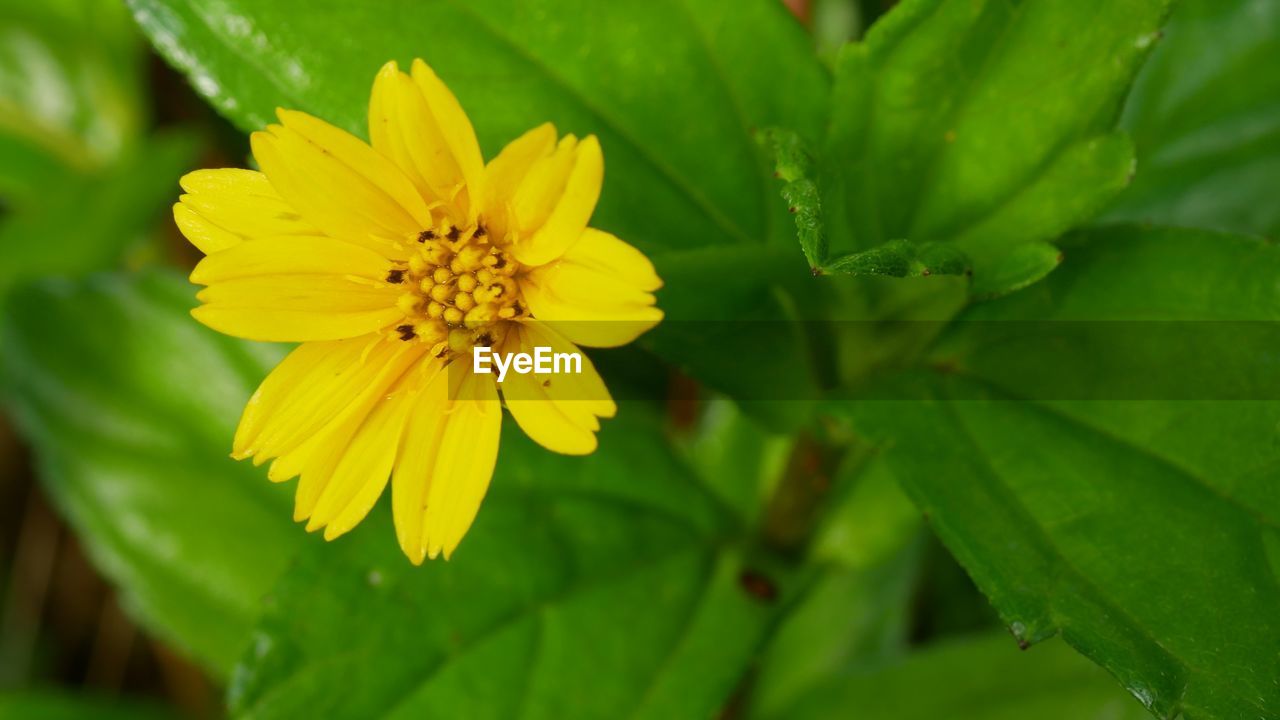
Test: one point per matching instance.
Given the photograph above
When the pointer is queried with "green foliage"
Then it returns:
(1142, 531)
(964, 138)
(131, 413)
(84, 222)
(53, 706)
(77, 184)
(902, 258)
(793, 164)
(711, 295)
(737, 460)
(1206, 122)
(985, 124)
(587, 585)
(975, 679)
(70, 90)
(855, 614)
(683, 169)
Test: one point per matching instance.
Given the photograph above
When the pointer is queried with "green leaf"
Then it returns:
(1206, 123)
(735, 458)
(793, 164)
(982, 678)
(1021, 267)
(26, 169)
(46, 705)
(77, 183)
(902, 258)
(985, 123)
(86, 221)
(724, 305)
(874, 520)
(1146, 532)
(849, 618)
(588, 586)
(70, 87)
(857, 613)
(1014, 236)
(671, 88)
(130, 405)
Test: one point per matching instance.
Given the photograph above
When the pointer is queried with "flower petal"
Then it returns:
(341, 200)
(313, 388)
(357, 156)
(449, 449)
(505, 172)
(291, 255)
(456, 128)
(222, 208)
(317, 459)
(402, 128)
(556, 199)
(463, 465)
(362, 472)
(415, 466)
(598, 294)
(559, 412)
(298, 308)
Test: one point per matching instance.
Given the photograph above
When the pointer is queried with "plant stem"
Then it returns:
(798, 501)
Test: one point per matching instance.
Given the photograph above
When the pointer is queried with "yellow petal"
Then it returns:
(291, 255)
(298, 308)
(541, 187)
(456, 130)
(199, 231)
(307, 364)
(318, 458)
(463, 465)
(402, 128)
(361, 159)
(361, 474)
(331, 195)
(415, 464)
(314, 387)
(225, 207)
(449, 449)
(599, 293)
(505, 172)
(557, 411)
(556, 200)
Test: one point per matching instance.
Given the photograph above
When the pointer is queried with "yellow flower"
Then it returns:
(389, 262)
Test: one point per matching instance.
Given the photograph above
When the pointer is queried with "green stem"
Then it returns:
(798, 501)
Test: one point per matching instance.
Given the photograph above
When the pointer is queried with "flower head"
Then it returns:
(390, 262)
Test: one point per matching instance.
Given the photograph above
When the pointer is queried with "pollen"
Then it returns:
(459, 287)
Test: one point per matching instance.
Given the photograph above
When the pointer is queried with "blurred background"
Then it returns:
(94, 131)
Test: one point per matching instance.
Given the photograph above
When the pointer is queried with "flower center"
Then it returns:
(459, 288)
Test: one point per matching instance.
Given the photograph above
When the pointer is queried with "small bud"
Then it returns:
(408, 303)
(441, 293)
